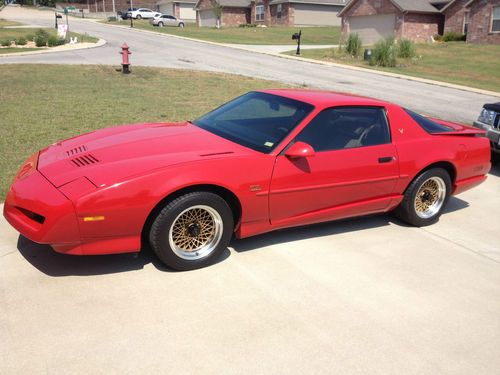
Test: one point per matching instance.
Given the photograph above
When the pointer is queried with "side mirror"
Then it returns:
(300, 150)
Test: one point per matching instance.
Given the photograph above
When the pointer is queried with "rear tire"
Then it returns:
(181, 25)
(425, 199)
(192, 231)
(139, 17)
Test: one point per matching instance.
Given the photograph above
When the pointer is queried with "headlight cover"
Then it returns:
(487, 116)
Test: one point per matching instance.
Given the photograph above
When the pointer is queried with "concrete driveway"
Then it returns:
(365, 296)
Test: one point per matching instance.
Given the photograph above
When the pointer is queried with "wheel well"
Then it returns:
(447, 166)
(224, 193)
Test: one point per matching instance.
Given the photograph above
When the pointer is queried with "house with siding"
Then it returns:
(181, 9)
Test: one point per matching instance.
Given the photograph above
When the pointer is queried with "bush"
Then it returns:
(353, 45)
(52, 41)
(41, 38)
(21, 41)
(406, 49)
(247, 25)
(438, 38)
(5, 43)
(384, 53)
(452, 36)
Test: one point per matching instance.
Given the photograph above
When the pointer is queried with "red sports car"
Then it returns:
(266, 160)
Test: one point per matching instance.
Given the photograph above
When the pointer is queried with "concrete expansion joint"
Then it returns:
(481, 254)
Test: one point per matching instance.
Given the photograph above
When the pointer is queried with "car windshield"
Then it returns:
(255, 120)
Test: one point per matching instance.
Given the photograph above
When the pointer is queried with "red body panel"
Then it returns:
(121, 174)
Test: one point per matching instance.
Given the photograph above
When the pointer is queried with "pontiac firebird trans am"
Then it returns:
(266, 160)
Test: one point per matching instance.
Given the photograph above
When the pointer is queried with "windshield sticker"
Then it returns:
(269, 144)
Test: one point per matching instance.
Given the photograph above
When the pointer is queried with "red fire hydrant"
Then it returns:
(125, 63)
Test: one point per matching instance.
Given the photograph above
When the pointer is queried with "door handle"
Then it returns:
(386, 159)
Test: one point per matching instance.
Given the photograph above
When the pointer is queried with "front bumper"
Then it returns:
(40, 212)
(492, 133)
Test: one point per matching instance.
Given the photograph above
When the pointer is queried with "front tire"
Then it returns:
(495, 158)
(139, 17)
(181, 24)
(192, 231)
(160, 24)
(425, 199)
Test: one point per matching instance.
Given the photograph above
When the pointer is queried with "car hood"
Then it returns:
(111, 155)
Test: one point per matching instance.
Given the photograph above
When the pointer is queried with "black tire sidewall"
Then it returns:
(159, 233)
(406, 210)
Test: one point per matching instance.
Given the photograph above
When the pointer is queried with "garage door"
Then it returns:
(311, 14)
(187, 12)
(373, 28)
(167, 9)
(207, 18)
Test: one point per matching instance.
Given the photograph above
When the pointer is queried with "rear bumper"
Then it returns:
(469, 183)
(40, 212)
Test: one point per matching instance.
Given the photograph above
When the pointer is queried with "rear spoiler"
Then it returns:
(459, 129)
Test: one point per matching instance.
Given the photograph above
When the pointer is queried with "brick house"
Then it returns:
(297, 12)
(373, 20)
(420, 20)
(484, 21)
(270, 12)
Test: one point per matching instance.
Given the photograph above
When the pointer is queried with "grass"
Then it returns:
(4, 23)
(42, 104)
(245, 35)
(9, 50)
(473, 65)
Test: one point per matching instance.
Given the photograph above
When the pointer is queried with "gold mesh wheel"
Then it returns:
(430, 197)
(196, 232)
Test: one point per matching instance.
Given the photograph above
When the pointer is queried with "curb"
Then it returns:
(99, 43)
(326, 63)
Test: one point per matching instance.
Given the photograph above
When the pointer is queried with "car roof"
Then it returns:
(326, 98)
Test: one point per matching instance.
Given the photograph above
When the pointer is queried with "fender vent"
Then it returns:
(76, 150)
(84, 160)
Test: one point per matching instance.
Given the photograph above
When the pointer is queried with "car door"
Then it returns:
(171, 21)
(354, 169)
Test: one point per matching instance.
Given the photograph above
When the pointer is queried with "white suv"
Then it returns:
(142, 13)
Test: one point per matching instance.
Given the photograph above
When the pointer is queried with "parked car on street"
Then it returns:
(166, 20)
(142, 13)
(124, 14)
(489, 120)
(266, 160)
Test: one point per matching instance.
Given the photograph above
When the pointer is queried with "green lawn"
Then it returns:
(17, 50)
(4, 23)
(473, 65)
(246, 35)
(41, 104)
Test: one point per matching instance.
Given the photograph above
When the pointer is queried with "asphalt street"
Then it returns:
(167, 51)
(364, 296)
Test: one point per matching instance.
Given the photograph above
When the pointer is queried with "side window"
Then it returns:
(346, 127)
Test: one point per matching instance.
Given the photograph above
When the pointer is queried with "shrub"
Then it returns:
(247, 25)
(30, 37)
(21, 41)
(406, 49)
(5, 43)
(52, 41)
(354, 45)
(438, 38)
(40, 41)
(384, 53)
(452, 36)
(41, 38)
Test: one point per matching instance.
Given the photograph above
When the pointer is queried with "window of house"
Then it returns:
(346, 127)
(466, 22)
(279, 10)
(495, 25)
(259, 13)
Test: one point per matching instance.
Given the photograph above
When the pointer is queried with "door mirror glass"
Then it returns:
(300, 150)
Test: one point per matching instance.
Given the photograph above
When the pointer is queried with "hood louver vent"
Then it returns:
(76, 150)
(84, 160)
